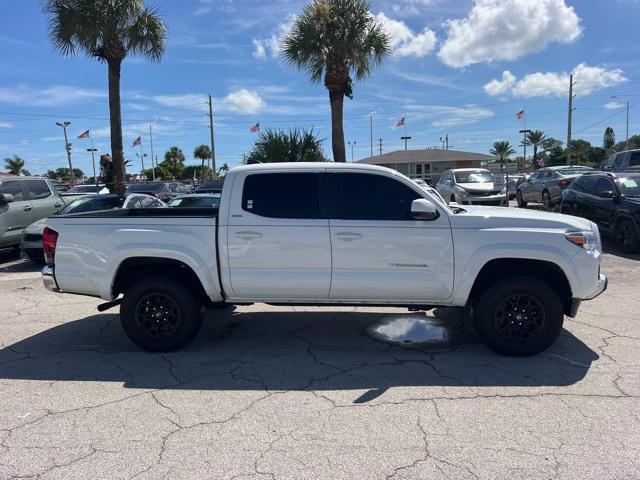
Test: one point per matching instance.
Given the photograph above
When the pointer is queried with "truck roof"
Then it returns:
(310, 166)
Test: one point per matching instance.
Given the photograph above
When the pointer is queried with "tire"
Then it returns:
(498, 324)
(626, 236)
(546, 201)
(177, 320)
(519, 200)
(566, 209)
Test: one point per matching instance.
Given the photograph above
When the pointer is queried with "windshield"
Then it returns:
(195, 202)
(85, 189)
(92, 204)
(574, 171)
(630, 186)
(145, 187)
(473, 177)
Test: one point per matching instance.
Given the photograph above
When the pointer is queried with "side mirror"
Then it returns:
(423, 209)
(607, 194)
(447, 182)
(6, 198)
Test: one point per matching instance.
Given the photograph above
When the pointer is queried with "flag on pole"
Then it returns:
(400, 122)
(255, 128)
(136, 142)
(84, 134)
(520, 115)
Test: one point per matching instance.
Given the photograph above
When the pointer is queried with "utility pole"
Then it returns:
(380, 140)
(153, 167)
(446, 140)
(352, 145)
(93, 159)
(67, 147)
(371, 129)
(626, 147)
(213, 150)
(405, 138)
(571, 96)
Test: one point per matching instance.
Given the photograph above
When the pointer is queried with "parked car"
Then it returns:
(210, 186)
(22, 201)
(626, 160)
(512, 184)
(31, 243)
(86, 190)
(545, 186)
(471, 186)
(612, 201)
(196, 200)
(165, 191)
(329, 234)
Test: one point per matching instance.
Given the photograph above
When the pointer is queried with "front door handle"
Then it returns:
(248, 235)
(348, 236)
(57, 205)
(27, 208)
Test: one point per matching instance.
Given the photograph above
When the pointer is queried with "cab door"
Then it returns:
(379, 253)
(43, 200)
(277, 240)
(16, 215)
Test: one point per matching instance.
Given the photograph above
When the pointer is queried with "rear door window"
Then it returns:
(588, 185)
(282, 195)
(634, 159)
(37, 189)
(12, 187)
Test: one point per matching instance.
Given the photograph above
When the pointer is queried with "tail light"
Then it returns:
(564, 182)
(49, 240)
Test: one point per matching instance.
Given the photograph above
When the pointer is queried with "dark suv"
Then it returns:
(610, 199)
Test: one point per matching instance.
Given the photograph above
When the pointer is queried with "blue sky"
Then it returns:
(462, 68)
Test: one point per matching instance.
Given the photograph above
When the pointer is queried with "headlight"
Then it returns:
(462, 192)
(584, 239)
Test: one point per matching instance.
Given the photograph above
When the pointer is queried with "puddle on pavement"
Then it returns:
(409, 329)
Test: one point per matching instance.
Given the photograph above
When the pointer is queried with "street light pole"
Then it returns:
(626, 144)
(67, 147)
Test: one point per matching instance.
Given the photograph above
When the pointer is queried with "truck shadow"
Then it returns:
(288, 350)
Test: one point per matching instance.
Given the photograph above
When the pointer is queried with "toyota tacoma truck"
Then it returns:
(324, 234)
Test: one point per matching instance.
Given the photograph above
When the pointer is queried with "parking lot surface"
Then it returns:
(309, 393)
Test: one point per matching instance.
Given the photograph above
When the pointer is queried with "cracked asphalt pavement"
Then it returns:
(306, 393)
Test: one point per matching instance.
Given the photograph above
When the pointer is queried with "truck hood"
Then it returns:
(477, 217)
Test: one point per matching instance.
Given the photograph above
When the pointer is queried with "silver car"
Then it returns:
(471, 186)
(545, 186)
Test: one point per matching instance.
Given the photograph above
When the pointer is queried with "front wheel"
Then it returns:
(546, 201)
(520, 200)
(519, 316)
(626, 236)
(158, 314)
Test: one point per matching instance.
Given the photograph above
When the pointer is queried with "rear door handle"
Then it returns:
(26, 208)
(248, 235)
(348, 236)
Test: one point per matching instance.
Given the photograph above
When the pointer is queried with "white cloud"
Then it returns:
(271, 46)
(556, 84)
(244, 101)
(404, 41)
(410, 7)
(450, 116)
(6, 125)
(507, 30)
(502, 86)
(53, 96)
(612, 105)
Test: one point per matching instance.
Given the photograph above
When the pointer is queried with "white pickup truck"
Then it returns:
(329, 235)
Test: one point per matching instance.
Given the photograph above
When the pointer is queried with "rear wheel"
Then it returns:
(626, 236)
(519, 316)
(546, 201)
(521, 202)
(160, 315)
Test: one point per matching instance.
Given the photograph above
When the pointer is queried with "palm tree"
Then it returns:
(275, 146)
(338, 41)
(15, 165)
(502, 149)
(535, 138)
(222, 171)
(202, 152)
(107, 30)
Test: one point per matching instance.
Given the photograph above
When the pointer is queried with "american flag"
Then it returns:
(520, 115)
(136, 142)
(400, 122)
(84, 134)
(255, 128)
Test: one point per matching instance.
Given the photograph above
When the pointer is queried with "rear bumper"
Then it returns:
(49, 279)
